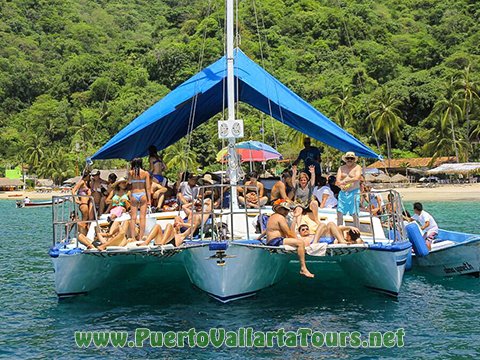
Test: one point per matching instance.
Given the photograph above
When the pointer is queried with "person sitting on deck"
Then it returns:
(279, 233)
(303, 192)
(188, 190)
(190, 226)
(160, 237)
(282, 189)
(248, 196)
(26, 200)
(118, 199)
(370, 201)
(158, 195)
(324, 194)
(115, 236)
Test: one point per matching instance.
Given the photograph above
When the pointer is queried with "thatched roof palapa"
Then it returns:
(399, 178)
(459, 168)
(382, 178)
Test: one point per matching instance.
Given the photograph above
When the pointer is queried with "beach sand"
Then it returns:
(457, 192)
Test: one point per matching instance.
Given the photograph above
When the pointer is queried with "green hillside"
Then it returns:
(400, 73)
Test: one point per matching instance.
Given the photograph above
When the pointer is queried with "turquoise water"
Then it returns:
(440, 317)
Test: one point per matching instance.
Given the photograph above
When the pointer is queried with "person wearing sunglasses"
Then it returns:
(348, 179)
(341, 234)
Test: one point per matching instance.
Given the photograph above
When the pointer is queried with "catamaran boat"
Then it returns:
(229, 262)
(452, 253)
(79, 271)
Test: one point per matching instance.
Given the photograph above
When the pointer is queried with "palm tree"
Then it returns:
(182, 157)
(441, 143)
(468, 92)
(34, 150)
(386, 117)
(343, 108)
(448, 110)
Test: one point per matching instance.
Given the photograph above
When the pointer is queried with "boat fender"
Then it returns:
(74, 251)
(417, 240)
(409, 264)
(218, 246)
(54, 252)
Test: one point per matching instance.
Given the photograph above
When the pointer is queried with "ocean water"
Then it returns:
(439, 316)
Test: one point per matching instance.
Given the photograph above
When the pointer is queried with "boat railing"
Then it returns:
(389, 213)
(220, 194)
(67, 219)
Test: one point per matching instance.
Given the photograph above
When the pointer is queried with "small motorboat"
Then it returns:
(452, 253)
(31, 204)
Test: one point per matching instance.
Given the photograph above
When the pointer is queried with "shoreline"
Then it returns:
(455, 192)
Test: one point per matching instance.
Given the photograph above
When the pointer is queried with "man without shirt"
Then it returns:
(279, 233)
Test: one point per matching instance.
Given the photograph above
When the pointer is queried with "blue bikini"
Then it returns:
(138, 195)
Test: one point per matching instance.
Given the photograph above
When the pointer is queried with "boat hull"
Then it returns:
(459, 259)
(377, 269)
(81, 273)
(240, 271)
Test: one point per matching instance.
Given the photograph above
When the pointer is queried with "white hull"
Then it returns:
(246, 270)
(85, 272)
(375, 269)
(457, 259)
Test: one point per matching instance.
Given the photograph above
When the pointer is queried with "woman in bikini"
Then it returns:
(118, 199)
(157, 166)
(97, 184)
(81, 192)
(139, 195)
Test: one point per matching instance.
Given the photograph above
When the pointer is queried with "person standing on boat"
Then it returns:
(427, 223)
(139, 195)
(97, 184)
(348, 179)
(279, 233)
(157, 166)
(81, 192)
(310, 155)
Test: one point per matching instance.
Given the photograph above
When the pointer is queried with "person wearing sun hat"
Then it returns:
(118, 199)
(348, 179)
(279, 233)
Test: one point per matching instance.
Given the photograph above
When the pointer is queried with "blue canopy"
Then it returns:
(202, 96)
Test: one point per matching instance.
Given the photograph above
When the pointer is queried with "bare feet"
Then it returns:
(306, 273)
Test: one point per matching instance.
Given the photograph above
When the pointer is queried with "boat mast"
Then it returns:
(232, 155)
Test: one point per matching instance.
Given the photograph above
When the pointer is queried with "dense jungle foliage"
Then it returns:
(400, 75)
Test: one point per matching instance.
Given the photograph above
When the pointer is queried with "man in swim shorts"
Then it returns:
(279, 233)
(348, 179)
